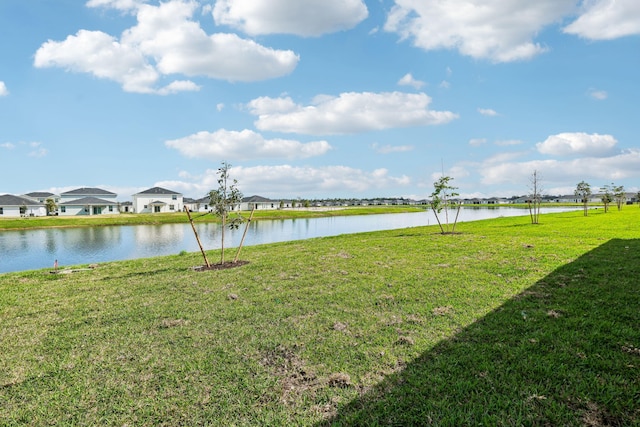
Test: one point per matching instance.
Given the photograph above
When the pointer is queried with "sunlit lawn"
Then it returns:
(505, 323)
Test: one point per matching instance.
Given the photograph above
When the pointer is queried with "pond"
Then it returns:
(39, 248)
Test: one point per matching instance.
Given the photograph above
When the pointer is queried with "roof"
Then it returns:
(39, 194)
(256, 199)
(93, 201)
(158, 203)
(158, 190)
(11, 200)
(86, 191)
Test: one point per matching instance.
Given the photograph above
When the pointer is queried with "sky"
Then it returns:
(318, 99)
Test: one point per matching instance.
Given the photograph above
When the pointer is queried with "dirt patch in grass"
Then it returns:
(219, 266)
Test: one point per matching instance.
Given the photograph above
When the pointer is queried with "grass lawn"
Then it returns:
(505, 323)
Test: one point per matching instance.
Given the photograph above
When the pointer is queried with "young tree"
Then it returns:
(50, 205)
(225, 199)
(619, 195)
(441, 200)
(535, 198)
(607, 197)
(583, 192)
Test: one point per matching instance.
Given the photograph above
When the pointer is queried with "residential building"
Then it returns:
(17, 206)
(157, 200)
(87, 201)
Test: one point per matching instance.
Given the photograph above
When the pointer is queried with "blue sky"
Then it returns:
(319, 98)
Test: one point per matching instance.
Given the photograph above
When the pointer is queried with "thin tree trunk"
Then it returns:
(438, 219)
(224, 224)
(455, 221)
(204, 255)
(244, 235)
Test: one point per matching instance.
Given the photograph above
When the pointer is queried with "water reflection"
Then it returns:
(34, 249)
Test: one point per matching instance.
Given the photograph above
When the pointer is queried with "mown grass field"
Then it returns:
(505, 323)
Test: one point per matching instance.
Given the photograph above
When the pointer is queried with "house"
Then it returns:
(258, 203)
(157, 200)
(17, 206)
(87, 201)
(43, 196)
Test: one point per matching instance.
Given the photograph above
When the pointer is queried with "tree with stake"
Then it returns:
(535, 198)
(583, 192)
(619, 195)
(441, 200)
(225, 199)
(607, 197)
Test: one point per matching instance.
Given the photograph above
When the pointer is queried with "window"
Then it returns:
(174, 197)
(63, 209)
(1, 211)
(23, 210)
(172, 207)
(110, 208)
(146, 206)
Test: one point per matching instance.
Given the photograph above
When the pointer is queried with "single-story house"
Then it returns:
(87, 201)
(156, 200)
(17, 206)
(259, 203)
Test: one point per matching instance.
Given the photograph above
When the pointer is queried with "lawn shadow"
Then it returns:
(564, 352)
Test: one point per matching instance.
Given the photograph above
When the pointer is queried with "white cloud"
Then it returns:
(501, 31)
(507, 142)
(409, 80)
(299, 17)
(607, 20)
(591, 169)
(600, 95)
(124, 5)
(244, 145)
(283, 180)
(386, 149)
(578, 143)
(3, 89)
(487, 112)
(445, 84)
(7, 145)
(348, 113)
(476, 142)
(165, 41)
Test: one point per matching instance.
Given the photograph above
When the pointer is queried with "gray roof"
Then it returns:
(158, 190)
(86, 191)
(11, 200)
(256, 199)
(93, 201)
(39, 194)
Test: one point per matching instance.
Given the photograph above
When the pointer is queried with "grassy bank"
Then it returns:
(181, 217)
(506, 323)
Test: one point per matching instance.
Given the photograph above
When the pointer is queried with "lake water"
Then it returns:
(39, 248)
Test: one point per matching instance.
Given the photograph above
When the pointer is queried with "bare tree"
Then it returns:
(583, 192)
(535, 198)
(606, 197)
(619, 195)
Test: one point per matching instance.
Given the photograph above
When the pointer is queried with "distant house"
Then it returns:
(259, 203)
(17, 206)
(157, 200)
(43, 196)
(87, 201)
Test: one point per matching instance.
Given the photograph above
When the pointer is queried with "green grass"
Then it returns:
(506, 323)
(181, 217)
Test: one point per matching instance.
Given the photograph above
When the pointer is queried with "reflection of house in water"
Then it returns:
(158, 235)
(90, 239)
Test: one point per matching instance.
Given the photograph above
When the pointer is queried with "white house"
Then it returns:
(156, 200)
(87, 201)
(259, 203)
(17, 206)
(43, 196)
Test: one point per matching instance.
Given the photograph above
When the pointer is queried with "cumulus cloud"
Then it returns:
(386, 149)
(578, 144)
(3, 89)
(7, 146)
(304, 181)
(165, 41)
(124, 5)
(476, 142)
(501, 31)
(595, 169)
(300, 17)
(487, 112)
(607, 20)
(347, 113)
(409, 80)
(244, 145)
